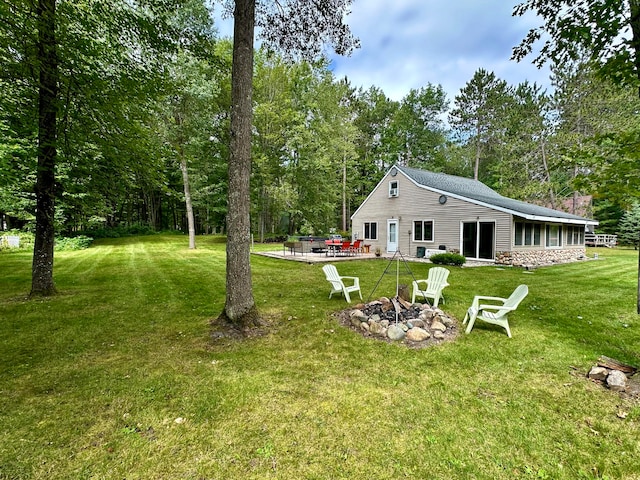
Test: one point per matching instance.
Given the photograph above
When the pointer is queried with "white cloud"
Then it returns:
(416, 42)
(410, 43)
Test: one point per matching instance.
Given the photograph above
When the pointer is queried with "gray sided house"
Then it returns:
(418, 213)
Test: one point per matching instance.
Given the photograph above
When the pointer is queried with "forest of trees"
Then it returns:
(143, 109)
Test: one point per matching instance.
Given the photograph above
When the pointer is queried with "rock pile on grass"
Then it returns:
(616, 376)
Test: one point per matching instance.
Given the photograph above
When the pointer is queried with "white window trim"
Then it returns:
(364, 237)
(524, 235)
(560, 236)
(571, 231)
(433, 230)
(394, 192)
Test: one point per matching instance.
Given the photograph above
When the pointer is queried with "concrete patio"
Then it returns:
(311, 257)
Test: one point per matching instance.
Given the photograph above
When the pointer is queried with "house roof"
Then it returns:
(477, 192)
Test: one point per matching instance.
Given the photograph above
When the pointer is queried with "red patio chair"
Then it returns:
(356, 247)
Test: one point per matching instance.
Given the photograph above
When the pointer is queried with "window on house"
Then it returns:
(527, 233)
(393, 188)
(575, 235)
(554, 236)
(370, 230)
(423, 230)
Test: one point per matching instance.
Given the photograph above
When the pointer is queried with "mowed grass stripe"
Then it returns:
(95, 391)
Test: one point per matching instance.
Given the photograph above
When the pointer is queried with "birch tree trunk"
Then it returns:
(344, 193)
(191, 224)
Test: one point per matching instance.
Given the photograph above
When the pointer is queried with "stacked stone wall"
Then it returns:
(539, 257)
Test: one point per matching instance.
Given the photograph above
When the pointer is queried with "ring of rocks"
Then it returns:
(395, 320)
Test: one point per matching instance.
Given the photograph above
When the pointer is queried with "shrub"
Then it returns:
(73, 243)
(447, 259)
(119, 231)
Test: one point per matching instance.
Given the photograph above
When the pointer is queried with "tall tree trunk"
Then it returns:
(240, 308)
(42, 267)
(191, 224)
(547, 174)
(476, 167)
(264, 218)
(344, 193)
(635, 43)
(635, 39)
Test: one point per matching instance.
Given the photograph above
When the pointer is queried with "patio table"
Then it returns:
(333, 247)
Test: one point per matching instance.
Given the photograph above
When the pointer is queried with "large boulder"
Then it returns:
(438, 326)
(417, 334)
(375, 328)
(598, 373)
(395, 332)
(617, 381)
(357, 317)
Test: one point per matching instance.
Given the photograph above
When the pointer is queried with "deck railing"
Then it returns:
(600, 240)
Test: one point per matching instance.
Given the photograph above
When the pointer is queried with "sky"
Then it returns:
(408, 44)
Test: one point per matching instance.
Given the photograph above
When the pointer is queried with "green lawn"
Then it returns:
(116, 377)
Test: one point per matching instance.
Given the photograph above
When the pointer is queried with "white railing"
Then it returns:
(600, 240)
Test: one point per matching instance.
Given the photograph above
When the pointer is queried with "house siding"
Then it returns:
(417, 203)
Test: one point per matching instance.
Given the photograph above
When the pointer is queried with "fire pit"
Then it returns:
(398, 321)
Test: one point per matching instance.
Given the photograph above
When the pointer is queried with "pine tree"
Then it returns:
(629, 229)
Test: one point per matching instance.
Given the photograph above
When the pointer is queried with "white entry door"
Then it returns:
(392, 236)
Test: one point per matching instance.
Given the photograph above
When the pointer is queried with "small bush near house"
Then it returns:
(73, 243)
(447, 259)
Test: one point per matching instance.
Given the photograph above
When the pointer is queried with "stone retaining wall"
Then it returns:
(539, 257)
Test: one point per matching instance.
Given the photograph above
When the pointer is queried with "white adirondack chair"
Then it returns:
(337, 284)
(431, 287)
(495, 314)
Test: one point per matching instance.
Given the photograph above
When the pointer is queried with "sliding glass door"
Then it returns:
(478, 240)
